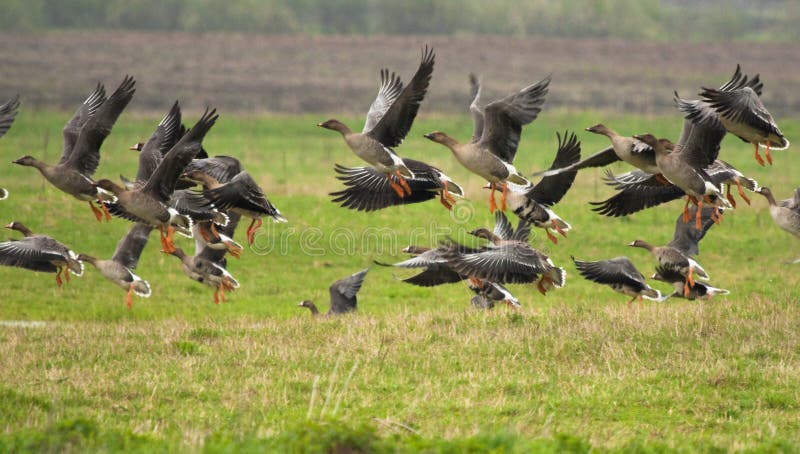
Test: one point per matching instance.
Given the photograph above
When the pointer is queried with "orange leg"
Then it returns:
(730, 197)
(403, 182)
(686, 210)
(492, 202)
(97, 213)
(630, 302)
(503, 197)
(688, 284)
(741, 193)
(66, 274)
(58, 278)
(204, 232)
(170, 243)
(397, 188)
(222, 293)
(758, 156)
(216, 295)
(540, 285)
(641, 302)
(162, 238)
(697, 219)
(105, 210)
(551, 237)
(251, 231)
(128, 300)
(766, 153)
(560, 230)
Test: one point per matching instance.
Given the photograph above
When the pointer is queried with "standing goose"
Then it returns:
(83, 136)
(388, 121)
(148, 204)
(785, 213)
(699, 290)
(508, 258)
(119, 268)
(367, 189)
(343, 295)
(39, 252)
(621, 275)
(673, 259)
(683, 165)
(496, 136)
(205, 271)
(534, 205)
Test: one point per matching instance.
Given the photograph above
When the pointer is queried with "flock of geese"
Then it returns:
(179, 188)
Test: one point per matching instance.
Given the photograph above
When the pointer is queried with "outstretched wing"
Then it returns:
(504, 119)
(551, 189)
(394, 124)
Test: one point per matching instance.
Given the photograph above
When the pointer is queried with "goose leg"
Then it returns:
(741, 193)
(758, 156)
(59, 282)
(97, 213)
(162, 237)
(641, 302)
(503, 197)
(551, 237)
(689, 283)
(403, 182)
(766, 153)
(169, 242)
(214, 230)
(222, 293)
(540, 285)
(686, 210)
(251, 231)
(397, 188)
(560, 230)
(234, 250)
(128, 300)
(105, 210)
(697, 219)
(729, 196)
(492, 203)
(216, 295)
(630, 302)
(66, 273)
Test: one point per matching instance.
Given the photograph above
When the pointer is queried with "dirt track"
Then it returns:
(296, 74)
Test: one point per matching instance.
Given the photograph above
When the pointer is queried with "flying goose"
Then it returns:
(368, 189)
(619, 274)
(343, 295)
(388, 121)
(491, 151)
(508, 258)
(534, 205)
(39, 252)
(119, 268)
(148, 204)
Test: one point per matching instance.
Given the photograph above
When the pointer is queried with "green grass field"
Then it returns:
(416, 369)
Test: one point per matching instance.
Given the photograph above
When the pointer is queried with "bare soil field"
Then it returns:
(297, 74)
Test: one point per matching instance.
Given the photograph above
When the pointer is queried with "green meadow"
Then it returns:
(416, 369)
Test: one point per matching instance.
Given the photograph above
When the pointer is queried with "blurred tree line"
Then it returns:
(698, 20)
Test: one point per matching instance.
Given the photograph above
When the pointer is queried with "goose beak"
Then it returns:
(321, 125)
(300, 304)
(631, 243)
(10, 225)
(428, 136)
